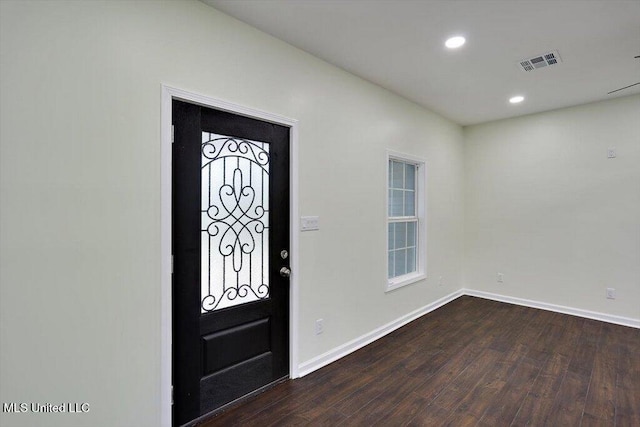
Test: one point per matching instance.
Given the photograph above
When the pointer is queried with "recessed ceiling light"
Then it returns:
(516, 99)
(455, 42)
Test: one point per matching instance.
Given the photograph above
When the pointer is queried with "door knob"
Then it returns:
(285, 272)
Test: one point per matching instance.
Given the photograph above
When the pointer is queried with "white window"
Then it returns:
(406, 224)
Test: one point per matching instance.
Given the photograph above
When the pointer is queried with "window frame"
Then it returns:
(420, 204)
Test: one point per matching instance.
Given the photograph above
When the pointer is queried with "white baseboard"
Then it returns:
(356, 344)
(618, 320)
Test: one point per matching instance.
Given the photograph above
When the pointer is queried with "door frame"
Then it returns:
(168, 95)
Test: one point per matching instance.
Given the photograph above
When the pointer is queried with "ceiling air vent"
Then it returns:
(540, 61)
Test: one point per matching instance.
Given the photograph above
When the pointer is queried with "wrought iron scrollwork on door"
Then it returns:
(235, 221)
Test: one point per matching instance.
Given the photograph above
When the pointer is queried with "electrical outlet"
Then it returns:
(611, 293)
(319, 326)
(500, 278)
(611, 153)
(440, 281)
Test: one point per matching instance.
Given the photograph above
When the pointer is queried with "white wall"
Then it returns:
(80, 192)
(547, 208)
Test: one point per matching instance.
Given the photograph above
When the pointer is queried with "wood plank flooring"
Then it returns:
(472, 362)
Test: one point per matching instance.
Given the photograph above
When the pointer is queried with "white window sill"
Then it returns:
(407, 279)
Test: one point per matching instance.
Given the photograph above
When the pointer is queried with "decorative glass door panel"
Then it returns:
(235, 221)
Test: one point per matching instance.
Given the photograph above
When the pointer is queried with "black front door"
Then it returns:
(230, 233)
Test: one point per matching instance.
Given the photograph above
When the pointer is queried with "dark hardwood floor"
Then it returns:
(472, 362)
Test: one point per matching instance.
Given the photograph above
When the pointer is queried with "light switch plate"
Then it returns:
(309, 223)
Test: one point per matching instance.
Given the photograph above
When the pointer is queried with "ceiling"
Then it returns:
(399, 45)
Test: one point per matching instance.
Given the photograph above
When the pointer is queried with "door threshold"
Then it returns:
(239, 401)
